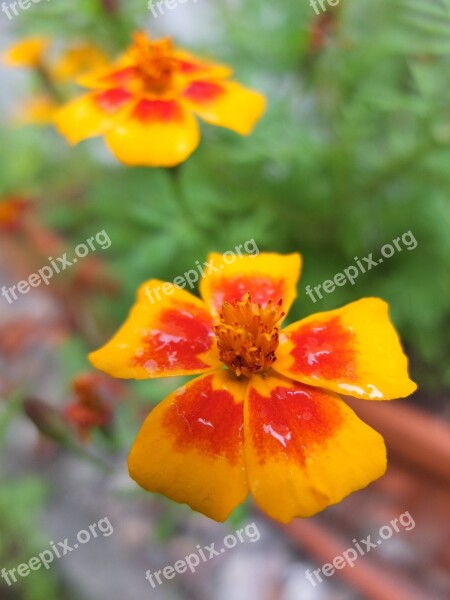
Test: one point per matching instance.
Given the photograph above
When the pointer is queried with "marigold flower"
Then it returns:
(144, 104)
(272, 422)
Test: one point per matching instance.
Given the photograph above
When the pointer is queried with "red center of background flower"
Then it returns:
(158, 110)
(112, 100)
(155, 62)
(203, 91)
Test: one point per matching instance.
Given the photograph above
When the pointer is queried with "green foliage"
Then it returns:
(19, 502)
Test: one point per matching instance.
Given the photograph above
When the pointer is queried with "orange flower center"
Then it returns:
(248, 335)
(155, 62)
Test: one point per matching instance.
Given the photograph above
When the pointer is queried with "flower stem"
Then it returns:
(185, 210)
(48, 84)
(175, 178)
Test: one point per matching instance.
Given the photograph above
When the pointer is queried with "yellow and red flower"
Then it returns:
(145, 104)
(271, 423)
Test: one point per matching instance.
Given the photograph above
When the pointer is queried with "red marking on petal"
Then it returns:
(291, 422)
(208, 420)
(189, 67)
(121, 77)
(112, 100)
(203, 91)
(324, 350)
(183, 334)
(158, 110)
(262, 289)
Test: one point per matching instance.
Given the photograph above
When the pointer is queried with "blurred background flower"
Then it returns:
(144, 104)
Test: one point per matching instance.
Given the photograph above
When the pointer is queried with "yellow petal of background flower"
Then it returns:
(190, 448)
(77, 61)
(226, 103)
(121, 72)
(27, 53)
(193, 67)
(353, 350)
(40, 110)
(158, 133)
(172, 335)
(266, 276)
(91, 115)
(305, 448)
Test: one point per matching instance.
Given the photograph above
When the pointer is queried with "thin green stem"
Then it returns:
(48, 84)
(186, 212)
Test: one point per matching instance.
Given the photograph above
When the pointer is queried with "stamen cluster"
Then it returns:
(155, 61)
(248, 335)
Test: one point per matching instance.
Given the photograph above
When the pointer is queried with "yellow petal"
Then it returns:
(190, 448)
(266, 276)
(305, 448)
(122, 72)
(27, 53)
(192, 67)
(158, 133)
(226, 103)
(92, 114)
(168, 332)
(353, 350)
